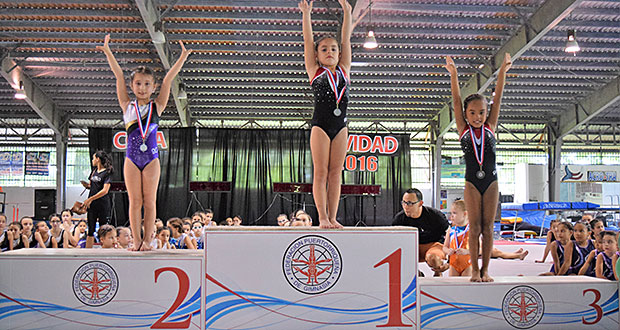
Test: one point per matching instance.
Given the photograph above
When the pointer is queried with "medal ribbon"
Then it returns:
(148, 121)
(456, 236)
(479, 155)
(333, 83)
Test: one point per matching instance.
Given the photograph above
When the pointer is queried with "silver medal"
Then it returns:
(143, 147)
(480, 175)
(337, 112)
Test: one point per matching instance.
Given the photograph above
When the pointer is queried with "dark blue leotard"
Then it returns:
(324, 116)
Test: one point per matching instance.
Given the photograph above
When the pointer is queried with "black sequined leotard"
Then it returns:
(328, 116)
(471, 163)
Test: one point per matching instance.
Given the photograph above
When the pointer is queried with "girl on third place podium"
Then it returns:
(141, 116)
(476, 126)
(328, 65)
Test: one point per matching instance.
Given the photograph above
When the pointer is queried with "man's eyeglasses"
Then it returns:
(409, 203)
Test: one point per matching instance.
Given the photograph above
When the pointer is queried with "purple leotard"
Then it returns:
(134, 139)
(608, 268)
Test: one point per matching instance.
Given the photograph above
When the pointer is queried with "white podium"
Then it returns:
(270, 278)
(101, 289)
(545, 302)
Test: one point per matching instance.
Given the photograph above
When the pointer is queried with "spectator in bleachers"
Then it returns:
(282, 220)
(123, 237)
(2, 226)
(43, 237)
(237, 221)
(14, 239)
(107, 236)
(27, 226)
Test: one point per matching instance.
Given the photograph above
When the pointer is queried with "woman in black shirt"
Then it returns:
(98, 201)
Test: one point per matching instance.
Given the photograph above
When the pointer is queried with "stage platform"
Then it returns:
(272, 278)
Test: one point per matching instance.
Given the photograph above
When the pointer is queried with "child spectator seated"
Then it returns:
(562, 250)
(196, 235)
(606, 260)
(43, 237)
(178, 237)
(588, 268)
(107, 237)
(123, 237)
(550, 239)
(456, 244)
(163, 239)
(14, 239)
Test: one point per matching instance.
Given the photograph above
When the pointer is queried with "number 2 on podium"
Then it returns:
(394, 302)
(183, 289)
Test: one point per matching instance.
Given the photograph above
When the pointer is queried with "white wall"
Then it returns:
(22, 198)
(531, 183)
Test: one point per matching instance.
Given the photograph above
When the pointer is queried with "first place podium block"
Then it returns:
(287, 278)
(101, 289)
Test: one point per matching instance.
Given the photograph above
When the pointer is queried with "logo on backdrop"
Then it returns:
(95, 283)
(312, 264)
(523, 307)
(571, 175)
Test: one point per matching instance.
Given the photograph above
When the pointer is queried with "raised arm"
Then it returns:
(121, 87)
(164, 92)
(457, 103)
(306, 23)
(499, 90)
(345, 37)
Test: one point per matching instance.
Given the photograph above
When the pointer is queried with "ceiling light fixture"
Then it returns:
(182, 93)
(158, 36)
(571, 44)
(370, 42)
(20, 94)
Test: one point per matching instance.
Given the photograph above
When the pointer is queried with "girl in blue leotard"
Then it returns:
(141, 116)
(328, 65)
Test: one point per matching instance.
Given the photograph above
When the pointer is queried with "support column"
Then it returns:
(436, 174)
(61, 171)
(555, 167)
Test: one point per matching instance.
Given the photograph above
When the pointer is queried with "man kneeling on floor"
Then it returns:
(431, 224)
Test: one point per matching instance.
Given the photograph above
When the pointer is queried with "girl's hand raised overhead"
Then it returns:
(184, 52)
(105, 47)
(305, 6)
(345, 5)
(450, 66)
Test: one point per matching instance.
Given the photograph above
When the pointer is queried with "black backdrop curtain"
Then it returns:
(173, 192)
(254, 159)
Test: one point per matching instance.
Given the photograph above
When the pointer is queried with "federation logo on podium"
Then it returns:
(312, 264)
(95, 283)
(523, 307)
